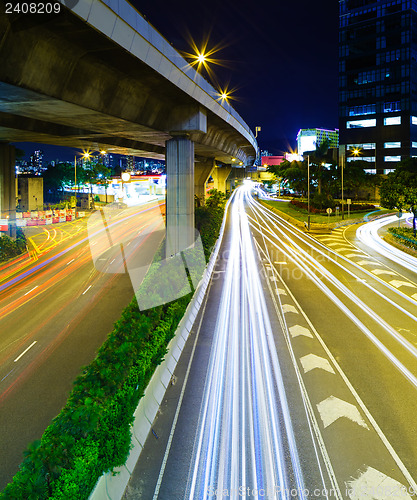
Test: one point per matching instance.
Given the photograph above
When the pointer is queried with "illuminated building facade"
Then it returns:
(378, 81)
(308, 139)
(36, 161)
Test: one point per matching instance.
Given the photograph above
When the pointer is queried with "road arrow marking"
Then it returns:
(383, 271)
(331, 409)
(287, 308)
(297, 330)
(398, 283)
(374, 485)
(311, 361)
(368, 262)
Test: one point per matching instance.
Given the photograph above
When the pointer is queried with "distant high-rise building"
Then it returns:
(130, 162)
(36, 161)
(378, 81)
(308, 139)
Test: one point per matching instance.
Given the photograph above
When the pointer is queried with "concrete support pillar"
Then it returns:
(180, 194)
(220, 175)
(202, 172)
(8, 186)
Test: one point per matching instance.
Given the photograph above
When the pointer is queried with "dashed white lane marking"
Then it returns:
(287, 308)
(281, 291)
(273, 278)
(383, 271)
(25, 351)
(86, 290)
(311, 361)
(297, 330)
(414, 296)
(34, 288)
(332, 408)
(68, 263)
(355, 254)
(374, 485)
(368, 263)
(398, 283)
(283, 263)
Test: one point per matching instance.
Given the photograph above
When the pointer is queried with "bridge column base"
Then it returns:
(8, 186)
(202, 172)
(220, 175)
(180, 194)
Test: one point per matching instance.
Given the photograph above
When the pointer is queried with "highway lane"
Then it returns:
(364, 317)
(55, 312)
(300, 374)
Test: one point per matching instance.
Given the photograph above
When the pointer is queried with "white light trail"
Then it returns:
(316, 272)
(368, 234)
(245, 432)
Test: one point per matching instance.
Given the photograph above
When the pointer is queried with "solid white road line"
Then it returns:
(25, 351)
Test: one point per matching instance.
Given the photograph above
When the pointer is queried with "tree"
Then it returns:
(94, 174)
(318, 158)
(399, 189)
(57, 176)
(293, 173)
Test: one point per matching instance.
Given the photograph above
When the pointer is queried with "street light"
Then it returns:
(308, 192)
(125, 178)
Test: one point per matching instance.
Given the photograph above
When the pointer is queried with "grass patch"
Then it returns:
(302, 215)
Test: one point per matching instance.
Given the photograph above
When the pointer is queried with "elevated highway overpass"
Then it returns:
(99, 76)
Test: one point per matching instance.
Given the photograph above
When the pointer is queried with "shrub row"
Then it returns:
(404, 235)
(10, 248)
(353, 208)
(92, 433)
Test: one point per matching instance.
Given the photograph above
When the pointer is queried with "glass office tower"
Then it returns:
(378, 81)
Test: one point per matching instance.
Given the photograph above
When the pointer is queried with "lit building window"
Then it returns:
(392, 158)
(414, 120)
(368, 145)
(363, 158)
(389, 170)
(389, 107)
(414, 144)
(370, 170)
(361, 123)
(392, 120)
(396, 144)
(366, 109)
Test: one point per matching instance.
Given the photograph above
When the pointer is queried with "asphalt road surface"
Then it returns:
(299, 378)
(56, 309)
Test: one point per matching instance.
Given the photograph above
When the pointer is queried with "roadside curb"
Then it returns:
(112, 485)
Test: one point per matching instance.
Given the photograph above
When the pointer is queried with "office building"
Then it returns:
(308, 139)
(378, 81)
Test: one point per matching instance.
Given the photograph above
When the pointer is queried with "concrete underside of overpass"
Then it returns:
(64, 83)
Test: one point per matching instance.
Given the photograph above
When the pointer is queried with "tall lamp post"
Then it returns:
(308, 192)
(342, 154)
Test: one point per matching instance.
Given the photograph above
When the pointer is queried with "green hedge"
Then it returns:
(404, 235)
(92, 433)
(10, 248)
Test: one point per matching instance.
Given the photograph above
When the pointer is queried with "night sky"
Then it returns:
(280, 57)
